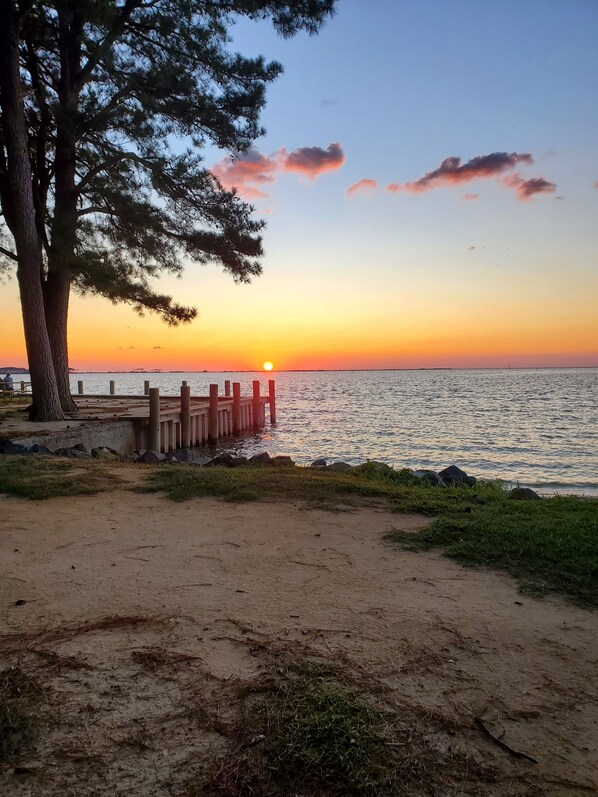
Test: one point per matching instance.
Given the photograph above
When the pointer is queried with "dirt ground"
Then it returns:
(203, 581)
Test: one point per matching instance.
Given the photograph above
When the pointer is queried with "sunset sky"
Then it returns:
(430, 182)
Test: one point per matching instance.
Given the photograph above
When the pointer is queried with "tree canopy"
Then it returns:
(118, 101)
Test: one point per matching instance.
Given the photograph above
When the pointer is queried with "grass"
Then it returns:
(549, 545)
(322, 734)
(20, 701)
(38, 477)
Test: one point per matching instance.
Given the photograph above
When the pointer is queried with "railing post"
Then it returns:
(227, 387)
(22, 387)
(154, 419)
(112, 387)
(185, 415)
(236, 408)
(146, 388)
(272, 393)
(257, 404)
(213, 415)
(80, 387)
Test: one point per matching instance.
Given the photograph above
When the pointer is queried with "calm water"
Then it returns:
(536, 426)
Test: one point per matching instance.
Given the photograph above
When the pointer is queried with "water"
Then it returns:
(532, 426)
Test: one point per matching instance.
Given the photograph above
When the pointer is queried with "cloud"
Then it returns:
(251, 171)
(470, 197)
(313, 161)
(470, 248)
(452, 172)
(526, 189)
(245, 170)
(362, 185)
(157, 347)
(596, 184)
(393, 188)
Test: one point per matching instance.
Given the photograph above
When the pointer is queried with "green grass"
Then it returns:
(322, 736)
(40, 477)
(549, 545)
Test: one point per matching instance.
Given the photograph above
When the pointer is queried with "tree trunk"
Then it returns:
(46, 403)
(56, 298)
(64, 225)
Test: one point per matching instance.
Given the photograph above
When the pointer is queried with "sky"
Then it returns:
(429, 178)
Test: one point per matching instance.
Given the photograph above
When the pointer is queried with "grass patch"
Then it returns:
(20, 701)
(321, 734)
(313, 486)
(549, 545)
(38, 477)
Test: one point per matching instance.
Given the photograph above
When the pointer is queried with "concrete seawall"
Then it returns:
(119, 435)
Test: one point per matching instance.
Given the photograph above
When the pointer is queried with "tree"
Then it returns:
(121, 98)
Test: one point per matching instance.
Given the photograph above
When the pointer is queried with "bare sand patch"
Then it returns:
(213, 577)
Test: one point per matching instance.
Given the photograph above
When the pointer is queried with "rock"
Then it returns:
(523, 494)
(429, 475)
(319, 463)
(454, 475)
(225, 459)
(184, 454)
(151, 457)
(75, 453)
(239, 462)
(339, 466)
(8, 447)
(80, 447)
(260, 459)
(37, 449)
(103, 452)
(282, 461)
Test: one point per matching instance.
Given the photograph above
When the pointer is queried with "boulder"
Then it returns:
(80, 447)
(37, 449)
(282, 461)
(430, 476)
(75, 453)
(8, 447)
(319, 463)
(454, 475)
(260, 459)
(339, 466)
(151, 457)
(225, 459)
(523, 494)
(103, 452)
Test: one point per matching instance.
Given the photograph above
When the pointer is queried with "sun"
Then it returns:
(268, 366)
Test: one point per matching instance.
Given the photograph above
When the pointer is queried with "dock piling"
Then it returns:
(236, 408)
(112, 387)
(213, 415)
(154, 419)
(227, 387)
(146, 388)
(257, 405)
(272, 394)
(80, 387)
(185, 415)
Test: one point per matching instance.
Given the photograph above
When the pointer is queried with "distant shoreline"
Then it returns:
(74, 372)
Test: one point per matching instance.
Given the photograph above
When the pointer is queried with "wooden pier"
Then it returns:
(165, 423)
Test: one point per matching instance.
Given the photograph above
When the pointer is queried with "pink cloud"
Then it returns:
(362, 185)
(470, 197)
(246, 169)
(452, 172)
(313, 161)
(526, 189)
(250, 171)
(393, 188)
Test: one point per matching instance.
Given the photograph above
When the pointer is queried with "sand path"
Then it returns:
(461, 641)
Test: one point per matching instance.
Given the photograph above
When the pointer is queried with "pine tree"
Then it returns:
(121, 99)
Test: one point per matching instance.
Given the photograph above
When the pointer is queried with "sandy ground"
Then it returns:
(214, 575)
